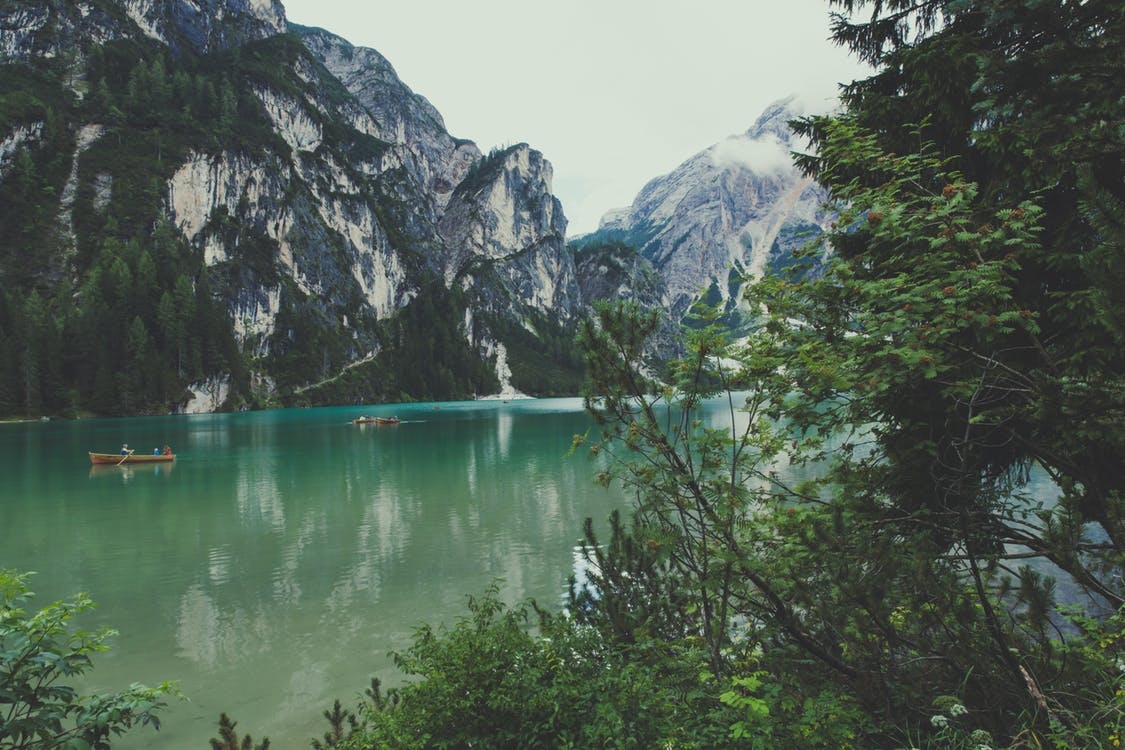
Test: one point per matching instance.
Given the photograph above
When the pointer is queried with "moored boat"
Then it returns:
(132, 458)
(376, 420)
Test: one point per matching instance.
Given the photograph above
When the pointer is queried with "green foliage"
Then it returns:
(698, 487)
(742, 697)
(974, 292)
(490, 681)
(34, 110)
(111, 347)
(128, 340)
(1102, 725)
(543, 361)
(803, 595)
(228, 738)
(961, 333)
(424, 354)
(636, 237)
(428, 346)
(29, 96)
(1036, 104)
(351, 729)
(38, 651)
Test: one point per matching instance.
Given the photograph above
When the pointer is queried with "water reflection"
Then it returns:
(127, 472)
(504, 433)
(218, 565)
(471, 470)
(217, 629)
(274, 565)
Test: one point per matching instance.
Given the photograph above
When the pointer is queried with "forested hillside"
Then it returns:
(123, 318)
(199, 213)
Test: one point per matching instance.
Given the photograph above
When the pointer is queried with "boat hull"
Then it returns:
(133, 458)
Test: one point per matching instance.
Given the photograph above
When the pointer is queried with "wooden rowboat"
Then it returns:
(376, 420)
(132, 458)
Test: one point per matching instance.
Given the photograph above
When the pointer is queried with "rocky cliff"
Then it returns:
(723, 215)
(216, 209)
(32, 32)
(322, 197)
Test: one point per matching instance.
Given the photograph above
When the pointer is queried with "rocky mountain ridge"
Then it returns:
(725, 214)
(356, 249)
(336, 202)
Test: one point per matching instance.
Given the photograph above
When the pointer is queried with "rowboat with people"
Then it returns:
(129, 456)
(132, 458)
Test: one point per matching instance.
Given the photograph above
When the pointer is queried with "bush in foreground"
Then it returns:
(38, 651)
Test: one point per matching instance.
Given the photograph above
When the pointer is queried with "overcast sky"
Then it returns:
(613, 92)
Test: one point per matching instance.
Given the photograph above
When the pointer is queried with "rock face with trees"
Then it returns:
(205, 198)
(205, 207)
(724, 217)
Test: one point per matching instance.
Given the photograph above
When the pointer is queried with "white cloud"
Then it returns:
(766, 155)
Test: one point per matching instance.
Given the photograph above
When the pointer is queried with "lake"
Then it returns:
(275, 564)
(272, 567)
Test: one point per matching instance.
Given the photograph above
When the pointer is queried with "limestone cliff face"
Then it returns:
(327, 244)
(334, 221)
(61, 28)
(206, 25)
(335, 218)
(393, 113)
(729, 210)
(505, 238)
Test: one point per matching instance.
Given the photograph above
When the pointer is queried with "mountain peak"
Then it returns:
(777, 115)
(31, 31)
(207, 25)
(733, 208)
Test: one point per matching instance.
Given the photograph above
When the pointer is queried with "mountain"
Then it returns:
(204, 206)
(731, 212)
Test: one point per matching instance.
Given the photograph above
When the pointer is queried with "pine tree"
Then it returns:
(1007, 108)
(228, 737)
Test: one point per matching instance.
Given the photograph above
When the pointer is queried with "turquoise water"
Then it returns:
(274, 565)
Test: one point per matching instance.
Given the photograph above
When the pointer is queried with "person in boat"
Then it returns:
(167, 450)
(125, 449)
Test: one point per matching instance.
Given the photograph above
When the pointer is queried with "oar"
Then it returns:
(123, 458)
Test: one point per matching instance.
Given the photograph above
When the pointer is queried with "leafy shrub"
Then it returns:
(37, 652)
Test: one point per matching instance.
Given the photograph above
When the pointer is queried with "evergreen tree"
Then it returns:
(32, 326)
(228, 738)
(9, 378)
(956, 339)
(1006, 108)
(963, 334)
